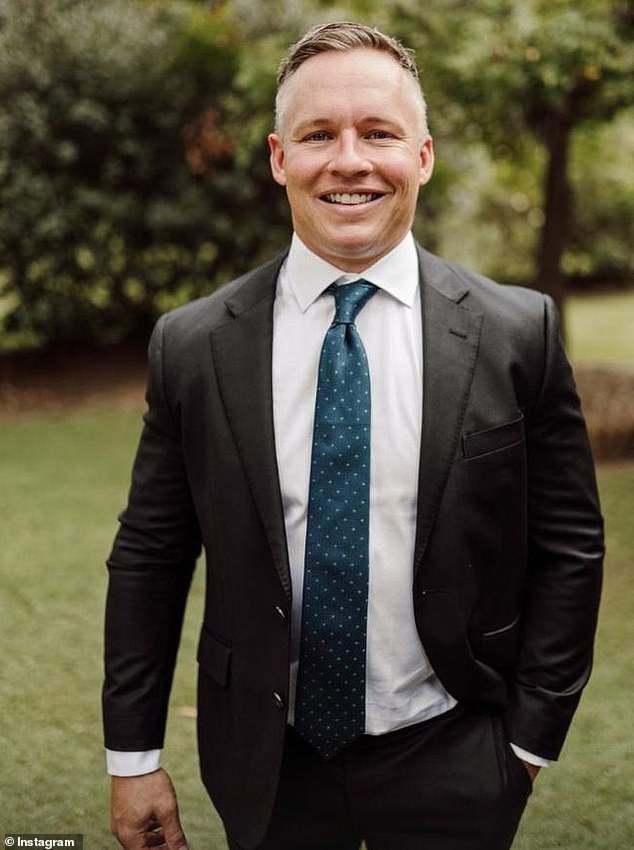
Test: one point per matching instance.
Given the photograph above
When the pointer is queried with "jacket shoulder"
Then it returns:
(479, 291)
(197, 318)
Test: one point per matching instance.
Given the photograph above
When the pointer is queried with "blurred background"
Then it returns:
(134, 177)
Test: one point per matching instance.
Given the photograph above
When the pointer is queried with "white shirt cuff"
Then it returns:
(132, 764)
(538, 761)
(137, 763)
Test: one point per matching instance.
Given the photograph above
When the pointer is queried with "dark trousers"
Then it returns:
(450, 783)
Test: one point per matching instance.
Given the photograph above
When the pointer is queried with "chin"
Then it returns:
(366, 253)
(354, 248)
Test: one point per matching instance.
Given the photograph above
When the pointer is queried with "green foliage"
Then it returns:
(507, 82)
(601, 244)
(506, 63)
(134, 169)
(119, 194)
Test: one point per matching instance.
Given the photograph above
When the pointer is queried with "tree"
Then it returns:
(110, 124)
(134, 168)
(542, 67)
(601, 245)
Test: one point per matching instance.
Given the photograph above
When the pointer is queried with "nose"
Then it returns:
(348, 156)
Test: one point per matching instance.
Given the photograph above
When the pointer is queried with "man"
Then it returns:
(384, 459)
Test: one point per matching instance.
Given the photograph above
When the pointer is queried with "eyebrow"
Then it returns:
(326, 122)
(311, 122)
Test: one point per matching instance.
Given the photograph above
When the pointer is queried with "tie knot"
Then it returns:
(349, 299)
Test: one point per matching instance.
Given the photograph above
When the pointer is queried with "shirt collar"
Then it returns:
(310, 275)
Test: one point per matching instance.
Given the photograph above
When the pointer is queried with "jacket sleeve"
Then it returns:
(150, 569)
(565, 555)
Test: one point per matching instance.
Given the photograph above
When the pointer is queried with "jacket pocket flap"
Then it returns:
(214, 657)
(500, 646)
(501, 632)
(492, 439)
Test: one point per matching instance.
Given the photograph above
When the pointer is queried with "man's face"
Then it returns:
(352, 155)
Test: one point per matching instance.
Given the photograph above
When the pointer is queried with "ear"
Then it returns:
(276, 159)
(426, 160)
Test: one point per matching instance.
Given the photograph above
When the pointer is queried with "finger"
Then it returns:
(131, 839)
(174, 835)
(176, 841)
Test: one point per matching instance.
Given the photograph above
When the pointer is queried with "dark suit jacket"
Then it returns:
(508, 544)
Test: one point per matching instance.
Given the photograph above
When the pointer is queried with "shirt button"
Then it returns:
(281, 613)
(278, 700)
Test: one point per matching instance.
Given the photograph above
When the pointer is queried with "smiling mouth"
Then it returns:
(350, 198)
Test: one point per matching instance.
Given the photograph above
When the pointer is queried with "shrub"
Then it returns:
(118, 189)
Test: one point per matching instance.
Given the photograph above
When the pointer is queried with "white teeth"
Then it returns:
(347, 198)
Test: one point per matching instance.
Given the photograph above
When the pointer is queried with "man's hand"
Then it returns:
(145, 813)
(532, 769)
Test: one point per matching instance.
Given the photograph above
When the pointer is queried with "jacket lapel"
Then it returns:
(451, 336)
(243, 355)
(242, 351)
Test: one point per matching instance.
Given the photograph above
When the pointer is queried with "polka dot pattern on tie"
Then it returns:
(330, 703)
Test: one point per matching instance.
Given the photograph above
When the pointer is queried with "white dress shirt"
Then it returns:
(401, 687)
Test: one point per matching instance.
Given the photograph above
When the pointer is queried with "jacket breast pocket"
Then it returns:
(214, 657)
(490, 440)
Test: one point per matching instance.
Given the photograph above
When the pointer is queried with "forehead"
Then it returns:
(361, 79)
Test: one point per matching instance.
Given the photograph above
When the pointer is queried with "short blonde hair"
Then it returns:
(344, 36)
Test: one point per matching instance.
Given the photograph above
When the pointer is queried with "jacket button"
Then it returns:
(278, 699)
(281, 613)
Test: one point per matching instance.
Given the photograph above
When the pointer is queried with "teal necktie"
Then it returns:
(330, 701)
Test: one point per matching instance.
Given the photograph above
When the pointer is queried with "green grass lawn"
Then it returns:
(63, 482)
(601, 327)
